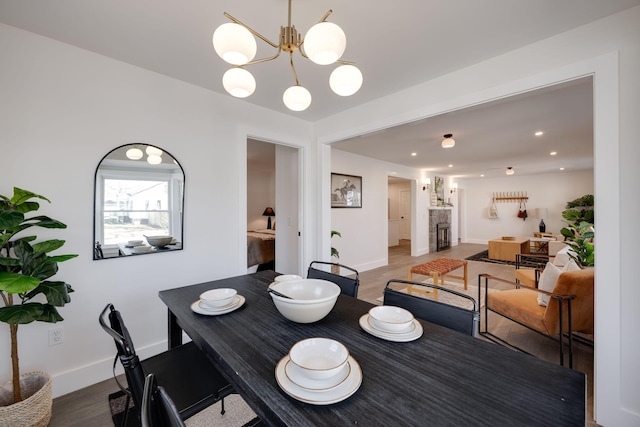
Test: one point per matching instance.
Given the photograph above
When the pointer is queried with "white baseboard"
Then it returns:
(84, 376)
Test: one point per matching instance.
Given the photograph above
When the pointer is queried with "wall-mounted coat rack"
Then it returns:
(510, 196)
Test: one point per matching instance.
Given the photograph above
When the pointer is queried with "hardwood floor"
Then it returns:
(89, 406)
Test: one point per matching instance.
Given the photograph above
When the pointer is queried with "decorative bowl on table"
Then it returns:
(159, 241)
(390, 318)
(319, 358)
(310, 299)
(142, 249)
(508, 238)
(216, 298)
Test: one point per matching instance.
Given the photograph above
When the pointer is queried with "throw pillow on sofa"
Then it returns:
(563, 256)
(549, 277)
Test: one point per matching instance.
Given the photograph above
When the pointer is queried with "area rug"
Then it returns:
(237, 413)
(448, 298)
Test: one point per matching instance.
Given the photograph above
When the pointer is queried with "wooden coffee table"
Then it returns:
(506, 250)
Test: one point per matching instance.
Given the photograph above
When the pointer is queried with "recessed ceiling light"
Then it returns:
(482, 176)
(553, 153)
(539, 133)
(450, 166)
(561, 169)
(414, 154)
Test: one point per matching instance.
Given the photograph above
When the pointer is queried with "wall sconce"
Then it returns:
(454, 187)
(269, 212)
(426, 183)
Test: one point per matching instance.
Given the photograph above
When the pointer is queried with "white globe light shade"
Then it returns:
(345, 80)
(325, 43)
(239, 82)
(134, 153)
(296, 98)
(234, 43)
(154, 159)
(153, 151)
(448, 142)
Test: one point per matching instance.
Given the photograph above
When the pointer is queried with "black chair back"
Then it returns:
(158, 409)
(450, 316)
(349, 285)
(126, 352)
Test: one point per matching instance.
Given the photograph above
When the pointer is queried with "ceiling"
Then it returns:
(493, 136)
(396, 45)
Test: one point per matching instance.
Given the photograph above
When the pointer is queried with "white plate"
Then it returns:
(337, 394)
(238, 302)
(295, 376)
(405, 337)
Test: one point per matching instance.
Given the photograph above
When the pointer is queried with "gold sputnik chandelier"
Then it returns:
(323, 44)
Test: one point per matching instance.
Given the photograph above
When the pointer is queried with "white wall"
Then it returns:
(551, 191)
(61, 110)
(261, 192)
(608, 49)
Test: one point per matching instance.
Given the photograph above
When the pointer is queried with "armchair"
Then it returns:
(570, 308)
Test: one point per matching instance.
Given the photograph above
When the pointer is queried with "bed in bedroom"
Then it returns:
(261, 250)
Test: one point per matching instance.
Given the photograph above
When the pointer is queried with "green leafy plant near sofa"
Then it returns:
(579, 233)
(25, 267)
(580, 238)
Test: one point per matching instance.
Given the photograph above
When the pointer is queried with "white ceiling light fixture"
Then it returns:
(510, 171)
(448, 141)
(134, 153)
(153, 151)
(154, 159)
(323, 44)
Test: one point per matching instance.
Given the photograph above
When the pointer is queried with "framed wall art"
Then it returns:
(346, 191)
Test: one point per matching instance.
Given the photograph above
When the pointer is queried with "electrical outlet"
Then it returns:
(56, 336)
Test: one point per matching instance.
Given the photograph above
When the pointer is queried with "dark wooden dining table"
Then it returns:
(444, 378)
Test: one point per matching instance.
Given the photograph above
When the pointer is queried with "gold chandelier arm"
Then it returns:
(293, 68)
(326, 15)
(340, 61)
(257, 61)
(254, 32)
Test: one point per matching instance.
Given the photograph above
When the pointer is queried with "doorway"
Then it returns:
(273, 182)
(399, 215)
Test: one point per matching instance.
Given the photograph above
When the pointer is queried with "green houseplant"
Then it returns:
(579, 233)
(334, 253)
(25, 267)
(580, 239)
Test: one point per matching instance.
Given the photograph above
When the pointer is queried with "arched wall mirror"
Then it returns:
(138, 203)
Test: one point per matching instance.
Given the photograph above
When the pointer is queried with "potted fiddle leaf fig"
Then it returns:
(28, 296)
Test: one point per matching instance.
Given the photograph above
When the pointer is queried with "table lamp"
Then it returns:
(542, 214)
(269, 212)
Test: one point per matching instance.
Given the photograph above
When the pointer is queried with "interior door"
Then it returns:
(405, 214)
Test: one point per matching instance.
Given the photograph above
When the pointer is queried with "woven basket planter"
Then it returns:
(35, 409)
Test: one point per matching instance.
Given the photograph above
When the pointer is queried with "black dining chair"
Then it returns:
(348, 284)
(465, 320)
(158, 409)
(184, 371)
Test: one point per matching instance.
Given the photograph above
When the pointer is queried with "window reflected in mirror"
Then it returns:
(139, 199)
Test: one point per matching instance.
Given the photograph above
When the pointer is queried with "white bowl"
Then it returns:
(285, 277)
(159, 241)
(141, 249)
(319, 358)
(135, 242)
(390, 318)
(215, 298)
(312, 299)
